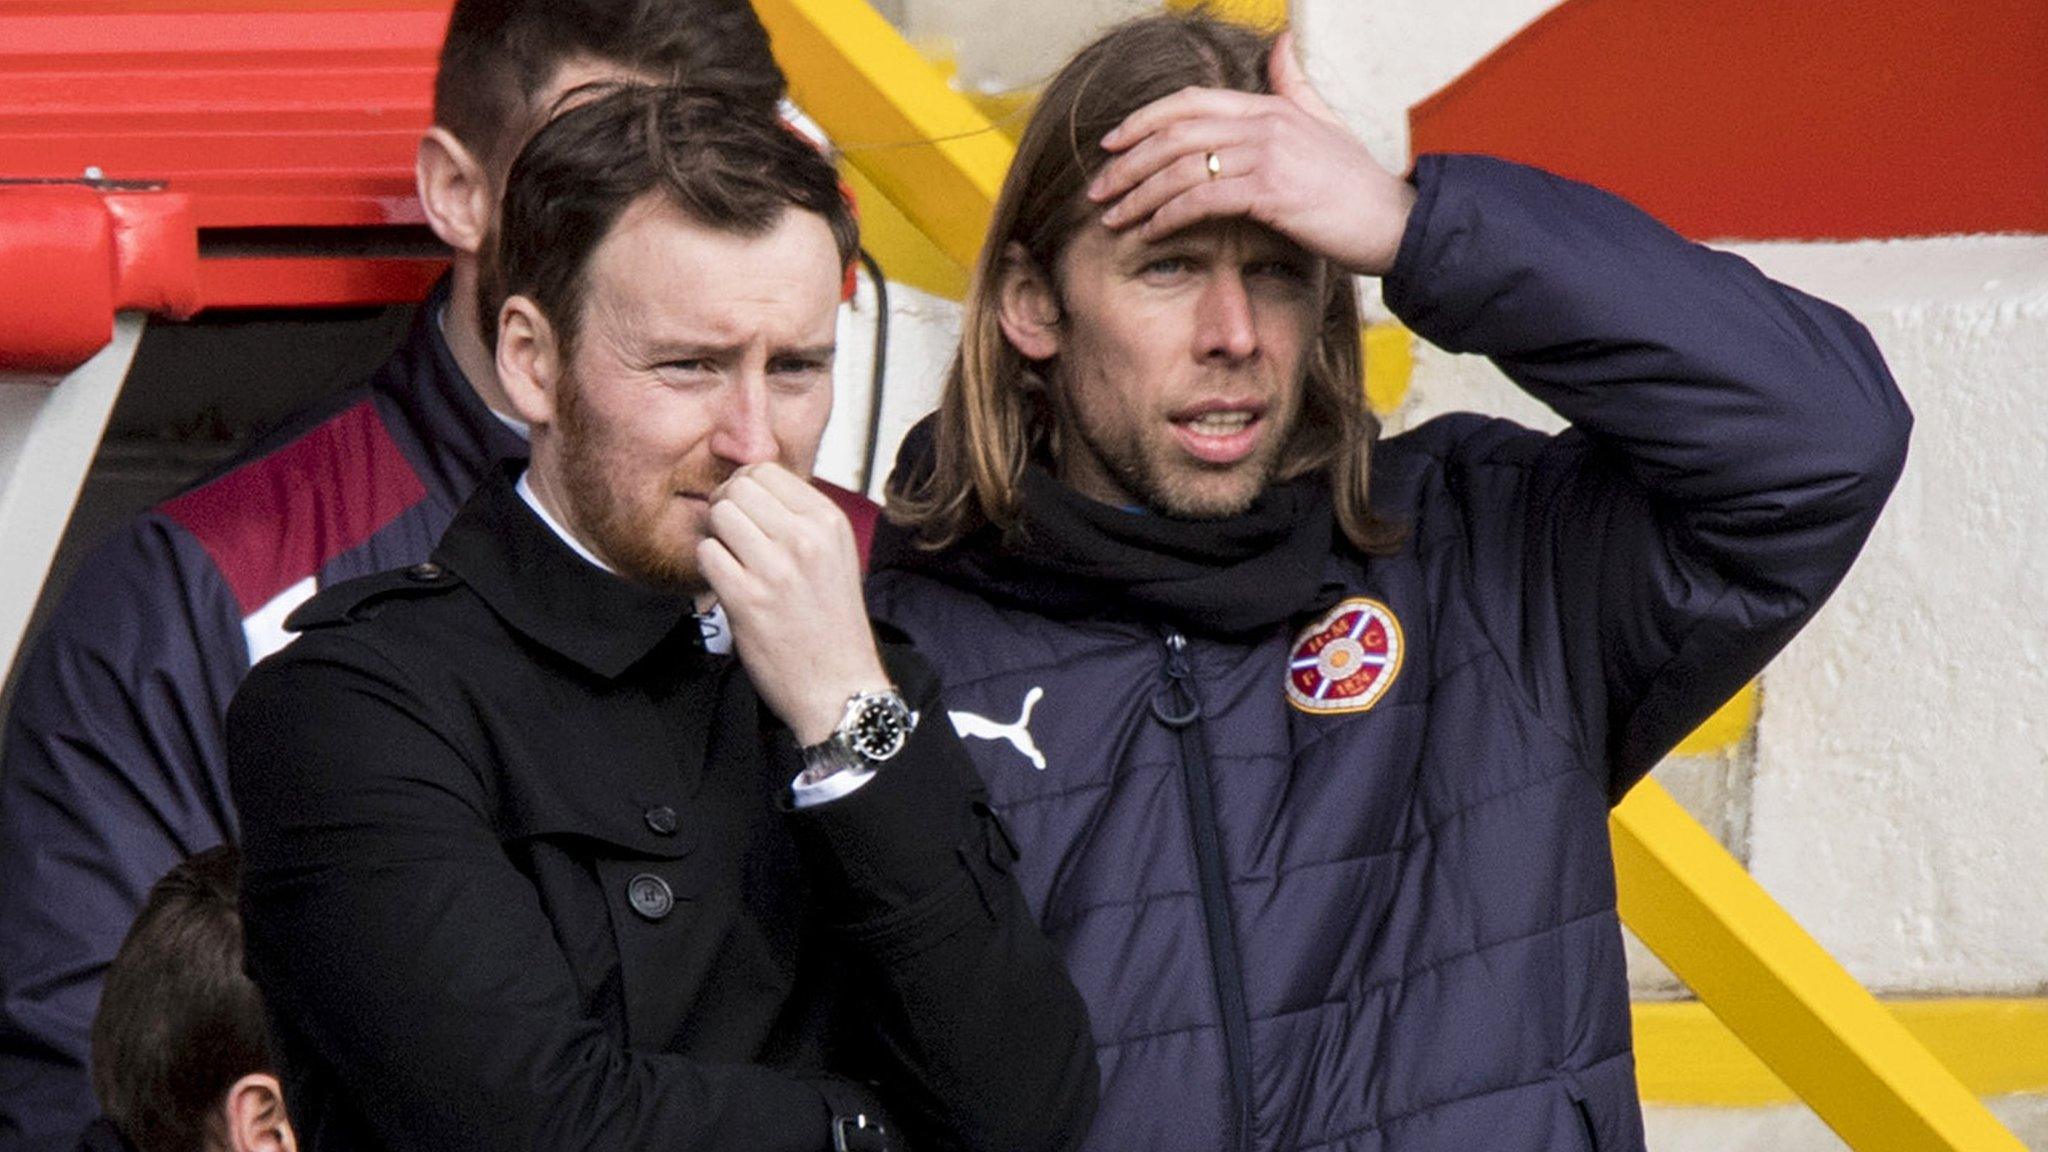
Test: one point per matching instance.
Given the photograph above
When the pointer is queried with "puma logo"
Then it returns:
(1018, 734)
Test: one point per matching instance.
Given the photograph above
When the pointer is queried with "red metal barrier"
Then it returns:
(1762, 119)
(71, 256)
(287, 130)
(284, 132)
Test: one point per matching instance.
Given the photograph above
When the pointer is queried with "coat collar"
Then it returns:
(1075, 557)
(444, 427)
(540, 587)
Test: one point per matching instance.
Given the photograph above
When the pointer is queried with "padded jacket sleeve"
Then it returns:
(112, 772)
(1732, 443)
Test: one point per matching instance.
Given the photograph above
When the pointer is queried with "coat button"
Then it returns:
(650, 896)
(661, 820)
(424, 572)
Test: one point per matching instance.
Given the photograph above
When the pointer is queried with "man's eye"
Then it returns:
(799, 376)
(1285, 270)
(688, 367)
(1167, 266)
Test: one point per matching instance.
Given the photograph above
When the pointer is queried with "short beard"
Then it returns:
(617, 529)
(1133, 471)
(1160, 495)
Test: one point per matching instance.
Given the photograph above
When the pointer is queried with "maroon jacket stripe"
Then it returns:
(310, 517)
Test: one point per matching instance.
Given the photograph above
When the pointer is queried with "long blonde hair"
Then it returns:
(993, 414)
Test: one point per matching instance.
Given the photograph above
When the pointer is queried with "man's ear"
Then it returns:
(1027, 306)
(455, 191)
(529, 360)
(254, 1111)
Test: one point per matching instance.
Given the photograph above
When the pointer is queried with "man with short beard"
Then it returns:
(533, 860)
(1309, 741)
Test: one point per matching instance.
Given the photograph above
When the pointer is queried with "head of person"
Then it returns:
(181, 1058)
(507, 65)
(1183, 375)
(666, 288)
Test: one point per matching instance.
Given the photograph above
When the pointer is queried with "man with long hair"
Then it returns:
(1309, 739)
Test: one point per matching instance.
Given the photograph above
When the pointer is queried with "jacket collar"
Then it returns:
(541, 588)
(446, 430)
(1073, 557)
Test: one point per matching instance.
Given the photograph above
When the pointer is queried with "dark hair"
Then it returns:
(992, 418)
(724, 164)
(499, 54)
(179, 1022)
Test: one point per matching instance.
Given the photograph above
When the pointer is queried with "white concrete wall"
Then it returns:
(923, 331)
(1900, 808)
(1004, 44)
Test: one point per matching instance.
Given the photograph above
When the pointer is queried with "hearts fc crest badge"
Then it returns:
(1346, 660)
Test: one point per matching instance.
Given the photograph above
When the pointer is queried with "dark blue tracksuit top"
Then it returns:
(1362, 896)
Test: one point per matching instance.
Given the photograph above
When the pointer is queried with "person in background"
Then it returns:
(181, 1058)
(112, 767)
(1315, 731)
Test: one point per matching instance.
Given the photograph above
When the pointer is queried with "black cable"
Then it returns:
(867, 467)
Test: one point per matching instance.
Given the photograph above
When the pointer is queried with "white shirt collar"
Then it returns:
(518, 426)
(525, 490)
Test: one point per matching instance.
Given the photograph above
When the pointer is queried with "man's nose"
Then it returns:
(742, 434)
(1224, 329)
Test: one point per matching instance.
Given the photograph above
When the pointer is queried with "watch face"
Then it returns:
(880, 728)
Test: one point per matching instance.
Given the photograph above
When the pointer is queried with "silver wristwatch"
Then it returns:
(874, 728)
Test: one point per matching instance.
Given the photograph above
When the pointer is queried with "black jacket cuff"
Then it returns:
(906, 834)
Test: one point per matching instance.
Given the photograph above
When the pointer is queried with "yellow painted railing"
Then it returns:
(1389, 361)
(1256, 13)
(923, 145)
(1688, 1056)
(939, 163)
(907, 256)
(1805, 1017)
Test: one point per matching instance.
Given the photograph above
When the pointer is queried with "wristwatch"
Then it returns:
(859, 1134)
(874, 728)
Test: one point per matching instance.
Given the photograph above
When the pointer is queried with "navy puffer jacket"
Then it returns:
(1345, 883)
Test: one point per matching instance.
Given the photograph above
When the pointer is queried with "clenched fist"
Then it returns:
(781, 558)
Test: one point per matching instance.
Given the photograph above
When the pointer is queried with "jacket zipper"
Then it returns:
(1181, 710)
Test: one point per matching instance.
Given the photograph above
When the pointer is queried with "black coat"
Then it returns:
(520, 873)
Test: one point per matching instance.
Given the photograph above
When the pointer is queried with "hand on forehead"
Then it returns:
(1284, 160)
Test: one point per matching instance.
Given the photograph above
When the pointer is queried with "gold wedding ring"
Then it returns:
(1214, 164)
